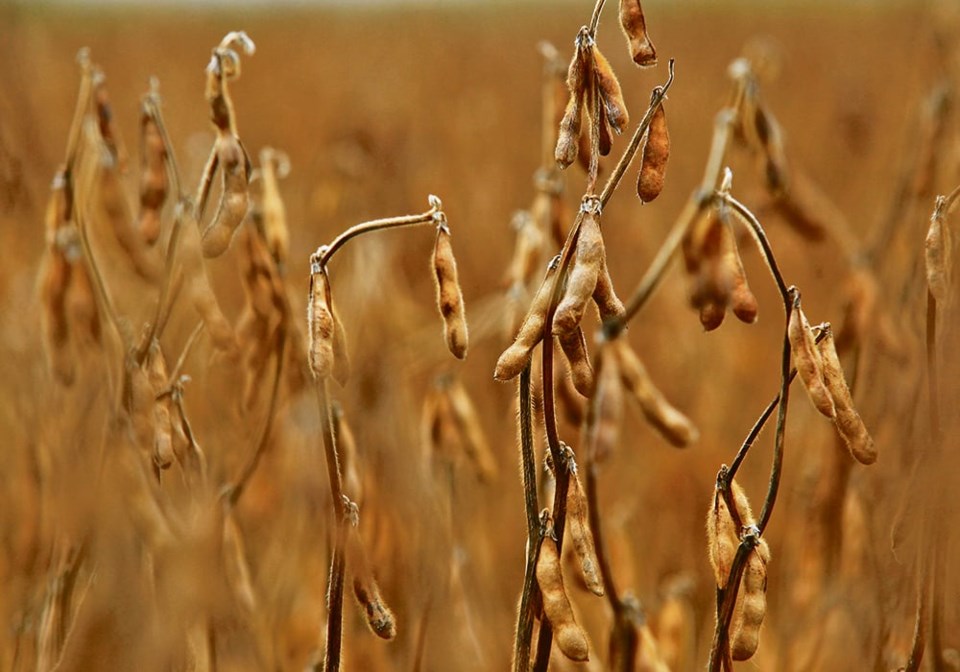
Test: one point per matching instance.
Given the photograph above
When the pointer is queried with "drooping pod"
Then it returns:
(605, 408)
(583, 275)
(516, 356)
(723, 538)
(611, 95)
(449, 295)
(320, 324)
(672, 425)
(656, 152)
(365, 589)
(742, 301)
(107, 122)
(578, 75)
(574, 346)
(848, 421)
(634, 28)
(154, 182)
(580, 532)
(605, 297)
(471, 430)
(528, 247)
(235, 174)
(807, 359)
(160, 409)
(568, 635)
(938, 253)
(274, 165)
(199, 291)
(711, 281)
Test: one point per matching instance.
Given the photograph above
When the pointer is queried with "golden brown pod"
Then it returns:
(582, 278)
(570, 639)
(574, 346)
(107, 123)
(711, 280)
(581, 534)
(515, 357)
(605, 408)
(320, 324)
(449, 295)
(723, 537)
(848, 421)
(234, 199)
(634, 28)
(274, 164)
(568, 138)
(656, 152)
(154, 182)
(341, 355)
(471, 430)
(742, 300)
(611, 95)
(199, 291)
(672, 425)
(605, 297)
(366, 591)
(938, 253)
(807, 359)
(529, 244)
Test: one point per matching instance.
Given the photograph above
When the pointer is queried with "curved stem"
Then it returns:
(595, 17)
(727, 599)
(324, 253)
(753, 225)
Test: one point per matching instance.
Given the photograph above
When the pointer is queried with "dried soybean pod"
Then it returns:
(199, 292)
(742, 300)
(604, 139)
(656, 152)
(570, 639)
(366, 591)
(107, 122)
(570, 401)
(273, 165)
(55, 279)
(449, 296)
(848, 421)
(574, 346)
(515, 357)
(605, 297)
(582, 279)
(611, 95)
(806, 208)
(320, 323)
(154, 182)
(723, 530)
(808, 361)
(676, 622)
(156, 369)
(346, 442)
(568, 137)
(234, 199)
(938, 253)
(751, 605)
(580, 533)
(768, 134)
(605, 409)
(635, 28)
(471, 429)
(672, 425)
(236, 568)
(529, 243)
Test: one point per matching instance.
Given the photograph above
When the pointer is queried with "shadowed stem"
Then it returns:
(525, 617)
(727, 599)
(331, 660)
(595, 17)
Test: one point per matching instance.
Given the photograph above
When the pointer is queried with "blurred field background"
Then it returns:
(377, 107)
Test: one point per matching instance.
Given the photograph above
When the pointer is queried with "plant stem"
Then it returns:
(727, 599)
(525, 617)
(331, 661)
(595, 17)
(324, 253)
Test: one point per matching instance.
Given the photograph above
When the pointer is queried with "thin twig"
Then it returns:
(325, 252)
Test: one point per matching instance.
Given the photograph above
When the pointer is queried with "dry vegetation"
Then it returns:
(243, 431)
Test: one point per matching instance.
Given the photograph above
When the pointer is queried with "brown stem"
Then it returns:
(525, 617)
(325, 252)
(595, 17)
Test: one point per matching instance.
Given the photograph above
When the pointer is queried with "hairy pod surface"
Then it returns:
(570, 639)
(634, 27)
(653, 162)
(611, 94)
(574, 346)
(938, 255)
(321, 326)
(809, 363)
(378, 615)
(581, 535)
(671, 424)
(516, 356)
(582, 278)
(848, 421)
(449, 295)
